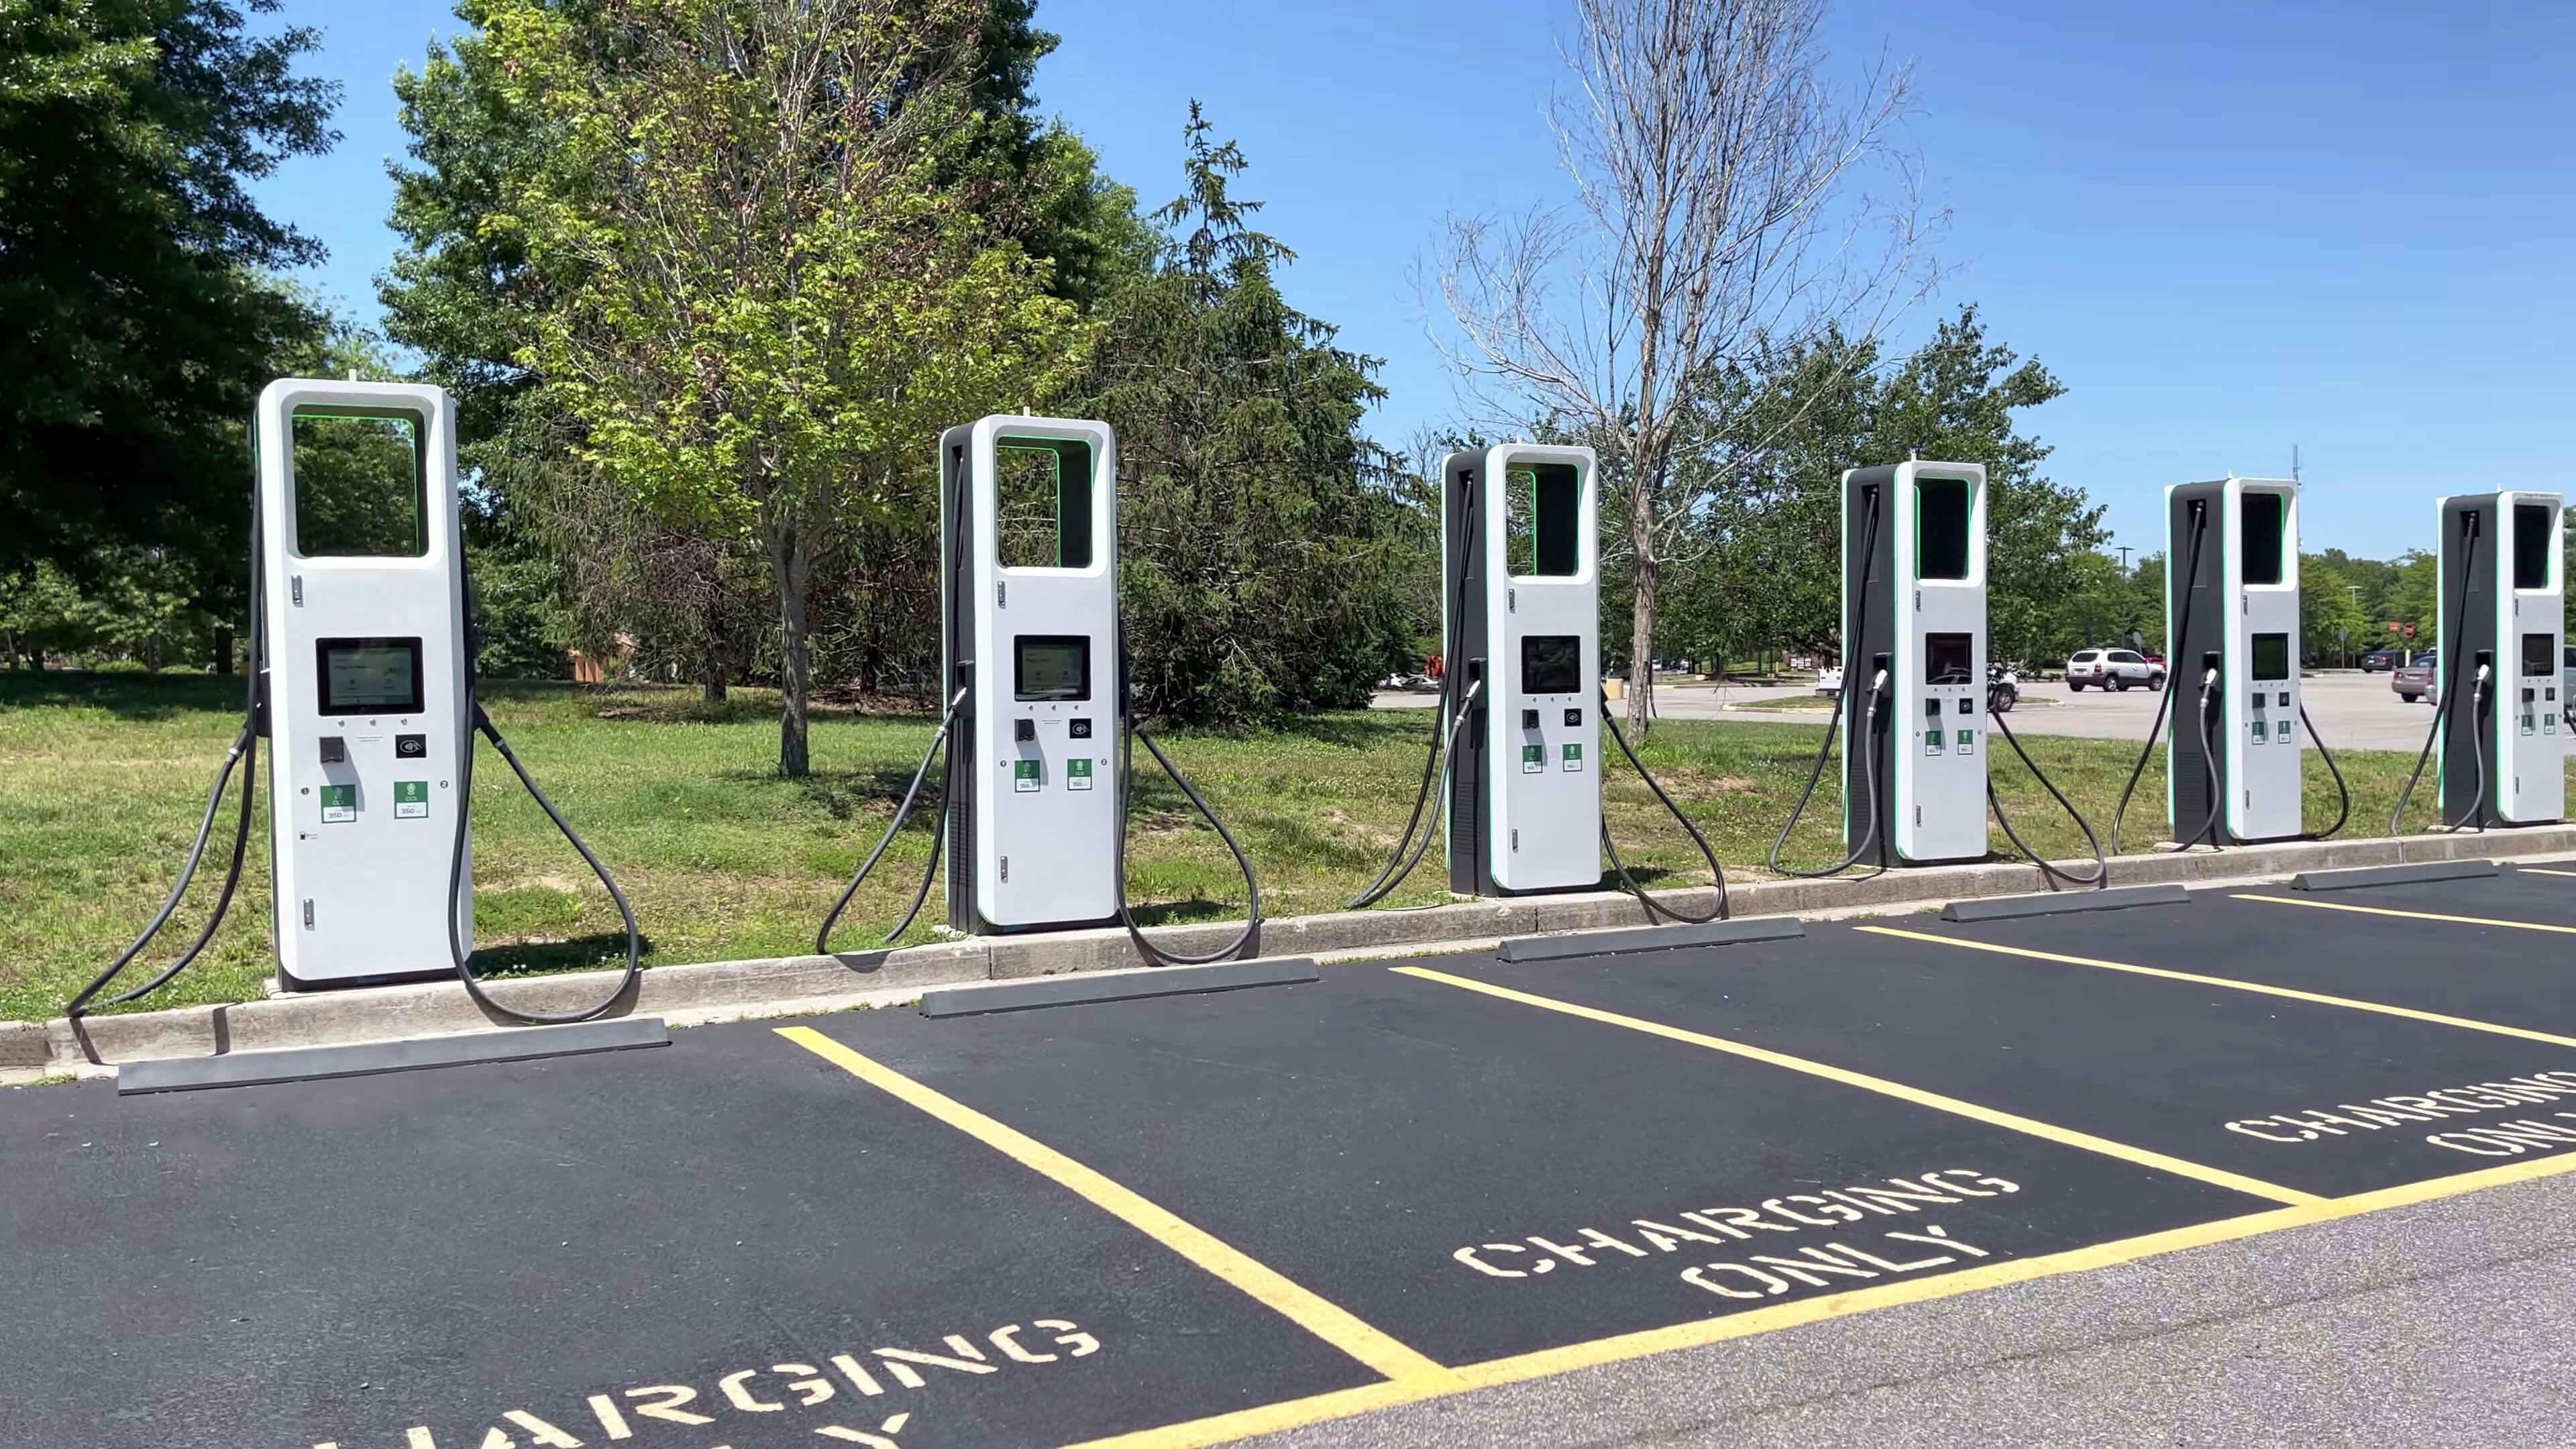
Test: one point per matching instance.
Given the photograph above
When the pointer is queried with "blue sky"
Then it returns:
(2229, 228)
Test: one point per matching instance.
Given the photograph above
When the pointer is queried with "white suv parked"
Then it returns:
(2112, 669)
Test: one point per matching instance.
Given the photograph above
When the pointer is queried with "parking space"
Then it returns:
(725, 1241)
(2153, 1064)
(1178, 1220)
(1480, 1179)
(2494, 951)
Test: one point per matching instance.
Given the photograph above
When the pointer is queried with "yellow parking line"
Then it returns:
(1520, 1368)
(1325, 1320)
(2410, 915)
(2252, 1186)
(2540, 870)
(2258, 988)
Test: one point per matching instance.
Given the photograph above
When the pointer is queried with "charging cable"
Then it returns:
(2100, 879)
(1245, 945)
(2173, 680)
(2450, 687)
(938, 833)
(1444, 741)
(1655, 908)
(1869, 791)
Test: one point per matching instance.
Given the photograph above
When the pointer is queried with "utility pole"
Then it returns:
(2124, 556)
(2294, 462)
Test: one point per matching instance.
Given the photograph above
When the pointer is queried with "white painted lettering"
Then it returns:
(1853, 1250)
(611, 1421)
(2258, 1127)
(1006, 1338)
(732, 1385)
(1663, 1235)
(668, 1410)
(809, 1390)
(1469, 1257)
(1571, 1255)
(1939, 1237)
(1812, 1258)
(858, 1375)
(2471, 1142)
(1773, 1205)
(1069, 1338)
(1705, 1277)
(1600, 1239)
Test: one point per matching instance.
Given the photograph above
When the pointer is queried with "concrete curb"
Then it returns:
(715, 990)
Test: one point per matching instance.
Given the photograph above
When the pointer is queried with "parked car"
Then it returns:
(2419, 680)
(2382, 659)
(2112, 669)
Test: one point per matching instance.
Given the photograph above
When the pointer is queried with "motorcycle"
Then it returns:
(2003, 689)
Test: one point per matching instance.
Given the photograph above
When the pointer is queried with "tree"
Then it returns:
(1709, 162)
(1269, 558)
(769, 302)
(2331, 621)
(1768, 444)
(137, 323)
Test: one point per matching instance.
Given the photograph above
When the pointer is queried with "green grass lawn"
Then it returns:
(103, 778)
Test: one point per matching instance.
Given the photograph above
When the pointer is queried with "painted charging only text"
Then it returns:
(863, 1392)
(1874, 1249)
(2379, 1114)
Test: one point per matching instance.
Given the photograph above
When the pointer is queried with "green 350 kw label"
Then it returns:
(339, 804)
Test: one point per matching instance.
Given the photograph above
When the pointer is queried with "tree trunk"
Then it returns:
(223, 649)
(1641, 634)
(715, 655)
(792, 569)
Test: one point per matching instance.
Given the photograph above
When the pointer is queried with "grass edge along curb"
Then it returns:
(435, 1008)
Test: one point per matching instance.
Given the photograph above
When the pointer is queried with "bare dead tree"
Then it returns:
(1712, 217)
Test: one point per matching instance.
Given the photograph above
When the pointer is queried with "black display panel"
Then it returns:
(1551, 664)
(1051, 666)
(1948, 659)
(2536, 652)
(368, 676)
(2266, 519)
(2271, 655)
(2531, 545)
(1940, 528)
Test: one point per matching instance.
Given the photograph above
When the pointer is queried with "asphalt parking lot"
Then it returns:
(1191, 1219)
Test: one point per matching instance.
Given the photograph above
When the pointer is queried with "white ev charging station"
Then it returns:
(1033, 662)
(1521, 524)
(361, 673)
(2501, 604)
(1914, 605)
(1521, 705)
(1915, 713)
(2233, 769)
(1030, 636)
(368, 711)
